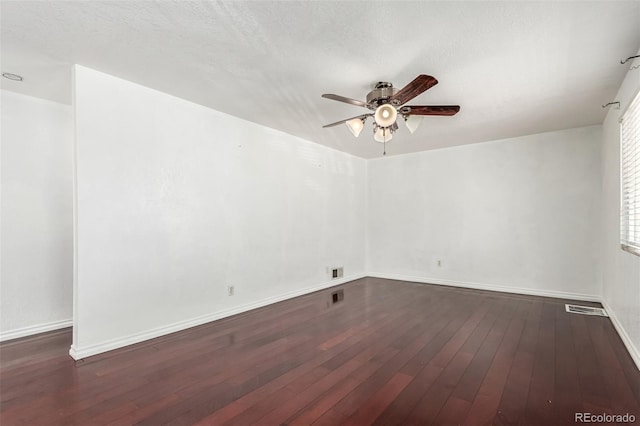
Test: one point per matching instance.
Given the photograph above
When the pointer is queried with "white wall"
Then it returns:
(176, 201)
(518, 214)
(620, 269)
(36, 232)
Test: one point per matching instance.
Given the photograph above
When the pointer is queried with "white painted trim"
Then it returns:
(84, 352)
(628, 343)
(74, 104)
(34, 329)
(490, 287)
(79, 353)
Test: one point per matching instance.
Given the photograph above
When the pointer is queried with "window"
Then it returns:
(630, 178)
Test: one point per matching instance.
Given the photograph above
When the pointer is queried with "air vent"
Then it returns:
(585, 310)
(337, 273)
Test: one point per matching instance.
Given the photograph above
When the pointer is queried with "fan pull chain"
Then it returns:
(384, 141)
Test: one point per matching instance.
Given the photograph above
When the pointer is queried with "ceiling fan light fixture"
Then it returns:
(382, 134)
(412, 122)
(386, 103)
(355, 125)
(385, 115)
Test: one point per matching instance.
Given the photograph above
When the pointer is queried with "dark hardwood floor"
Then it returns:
(390, 353)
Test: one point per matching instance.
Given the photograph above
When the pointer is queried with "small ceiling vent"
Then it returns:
(585, 310)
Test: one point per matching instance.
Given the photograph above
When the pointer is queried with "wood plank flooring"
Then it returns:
(390, 353)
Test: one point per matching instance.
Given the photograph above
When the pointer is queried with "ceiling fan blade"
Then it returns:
(430, 109)
(419, 84)
(344, 121)
(345, 100)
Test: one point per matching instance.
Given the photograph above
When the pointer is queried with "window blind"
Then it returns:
(630, 178)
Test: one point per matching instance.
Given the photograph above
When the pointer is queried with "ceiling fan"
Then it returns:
(388, 102)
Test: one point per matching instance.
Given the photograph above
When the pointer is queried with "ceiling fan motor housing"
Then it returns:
(380, 95)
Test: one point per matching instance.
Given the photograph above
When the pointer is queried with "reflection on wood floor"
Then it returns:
(391, 352)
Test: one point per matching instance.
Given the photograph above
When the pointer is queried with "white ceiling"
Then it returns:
(514, 67)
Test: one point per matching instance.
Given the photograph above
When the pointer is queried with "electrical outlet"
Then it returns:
(230, 290)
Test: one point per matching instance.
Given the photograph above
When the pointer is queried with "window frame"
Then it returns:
(627, 243)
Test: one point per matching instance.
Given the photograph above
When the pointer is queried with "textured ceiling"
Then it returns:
(514, 67)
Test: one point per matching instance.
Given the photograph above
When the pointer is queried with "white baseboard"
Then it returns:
(628, 343)
(79, 353)
(490, 287)
(84, 352)
(34, 329)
